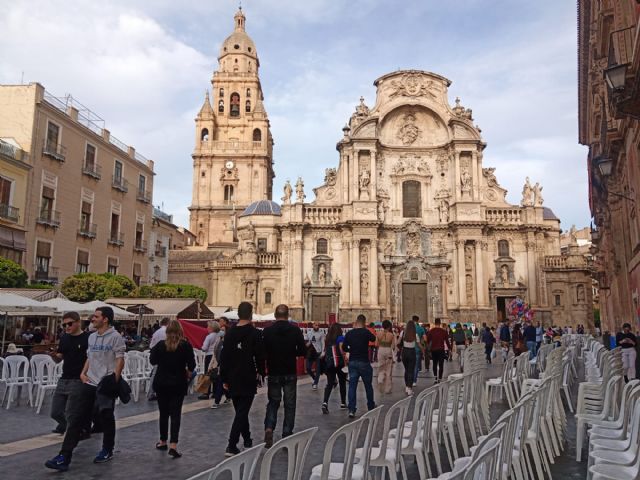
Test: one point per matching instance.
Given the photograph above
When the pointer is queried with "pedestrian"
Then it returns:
(356, 343)
(517, 340)
(242, 360)
(72, 348)
(628, 342)
(283, 344)
(409, 356)
(159, 333)
(427, 350)
(101, 376)
(420, 334)
(437, 338)
(334, 367)
(373, 348)
(539, 335)
(386, 346)
(460, 340)
(208, 347)
(489, 340)
(315, 346)
(176, 362)
(530, 339)
(505, 340)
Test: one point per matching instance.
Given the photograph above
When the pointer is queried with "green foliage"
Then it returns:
(85, 287)
(12, 275)
(171, 290)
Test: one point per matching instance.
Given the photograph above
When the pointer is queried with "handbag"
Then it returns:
(202, 384)
(214, 374)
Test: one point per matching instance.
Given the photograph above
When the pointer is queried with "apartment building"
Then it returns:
(14, 180)
(88, 205)
(163, 235)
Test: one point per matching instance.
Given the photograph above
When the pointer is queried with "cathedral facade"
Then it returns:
(408, 222)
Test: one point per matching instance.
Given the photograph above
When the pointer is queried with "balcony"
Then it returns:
(269, 258)
(504, 215)
(120, 184)
(50, 275)
(322, 215)
(13, 152)
(144, 196)
(89, 230)
(140, 246)
(92, 170)
(53, 150)
(162, 216)
(160, 252)
(49, 218)
(7, 212)
(116, 238)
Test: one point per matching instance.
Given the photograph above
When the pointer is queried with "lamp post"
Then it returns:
(615, 77)
(605, 166)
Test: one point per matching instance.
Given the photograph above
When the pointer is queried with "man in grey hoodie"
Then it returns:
(105, 357)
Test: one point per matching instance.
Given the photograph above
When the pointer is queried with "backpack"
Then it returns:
(334, 358)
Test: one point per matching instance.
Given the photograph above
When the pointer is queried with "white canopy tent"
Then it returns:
(12, 305)
(63, 305)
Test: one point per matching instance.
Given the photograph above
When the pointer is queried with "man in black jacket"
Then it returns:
(242, 360)
(283, 343)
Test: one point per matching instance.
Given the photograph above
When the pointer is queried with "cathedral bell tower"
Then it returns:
(233, 155)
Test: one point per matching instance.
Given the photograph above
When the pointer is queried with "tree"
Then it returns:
(171, 290)
(85, 287)
(12, 275)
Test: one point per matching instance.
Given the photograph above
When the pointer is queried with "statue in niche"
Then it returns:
(388, 249)
(364, 258)
(581, 294)
(469, 287)
(436, 291)
(443, 210)
(364, 180)
(414, 248)
(330, 176)
(527, 194)
(504, 274)
(409, 132)
(380, 211)
(249, 290)
(465, 180)
(537, 195)
(468, 257)
(322, 275)
(300, 191)
(364, 284)
(251, 233)
(287, 193)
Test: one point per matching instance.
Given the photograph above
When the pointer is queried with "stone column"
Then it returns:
(355, 176)
(345, 275)
(476, 175)
(457, 193)
(387, 292)
(374, 177)
(462, 290)
(373, 272)
(481, 282)
(354, 276)
(298, 272)
(531, 269)
(443, 293)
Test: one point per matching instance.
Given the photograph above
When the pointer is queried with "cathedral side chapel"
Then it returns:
(410, 221)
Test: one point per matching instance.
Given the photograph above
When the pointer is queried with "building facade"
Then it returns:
(88, 200)
(410, 221)
(15, 168)
(609, 110)
(161, 240)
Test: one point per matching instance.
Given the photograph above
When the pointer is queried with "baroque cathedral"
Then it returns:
(408, 222)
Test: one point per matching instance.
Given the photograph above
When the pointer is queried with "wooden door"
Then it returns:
(320, 308)
(414, 301)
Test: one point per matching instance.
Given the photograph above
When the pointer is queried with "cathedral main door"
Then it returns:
(414, 301)
(320, 308)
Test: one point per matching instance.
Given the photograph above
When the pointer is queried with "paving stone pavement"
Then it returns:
(204, 434)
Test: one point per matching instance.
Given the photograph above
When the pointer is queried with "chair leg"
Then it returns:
(579, 439)
(565, 389)
(435, 448)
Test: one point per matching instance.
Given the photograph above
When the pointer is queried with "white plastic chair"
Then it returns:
(34, 362)
(343, 470)
(48, 374)
(296, 446)
(17, 375)
(240, 466)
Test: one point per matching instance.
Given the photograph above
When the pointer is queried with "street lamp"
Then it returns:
(615, 76)
(605, 165)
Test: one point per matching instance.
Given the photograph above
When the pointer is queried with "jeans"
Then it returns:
(279, 386)
(531, 346)
(218, 391)
(357, 369)
(333, 373)
(418, 366)
(315, 377)
(437, 356)
(170, 406)
(409, 360)
(240, 425)
(79, 412)
(64, 390)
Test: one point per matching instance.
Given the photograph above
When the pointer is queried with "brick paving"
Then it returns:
(204, 435)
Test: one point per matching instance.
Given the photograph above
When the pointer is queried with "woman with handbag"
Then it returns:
(334, 363)
(386, 347)
(517, 339)
(176, 361)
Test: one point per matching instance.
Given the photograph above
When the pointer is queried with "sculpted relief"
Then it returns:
(413, 126)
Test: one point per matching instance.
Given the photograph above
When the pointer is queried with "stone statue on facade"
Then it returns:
(409, 132)
(443, 210)
(388, 249)
(573, 235)
(469, 287)
(330, 176)
(537, 195)
(414, 247)
(337, 282)
(468, 257)
(364, 284)
(580, 294)
(300, 191)
(307, 280)
(489, 174)
(364, 180)
(364, 258)
(465, 181)
(527, 194)
(287, 193)
(504, 275)
(322, 275)
(249, 290)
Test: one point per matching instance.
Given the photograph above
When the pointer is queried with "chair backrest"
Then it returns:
(296, 446)
(240, 466)
(370, 423)
(34, 361)
(428, 406)
(45, 372)
(443, 396)
(398, 411)
(3, 372)
(17, 368)
(350, 432)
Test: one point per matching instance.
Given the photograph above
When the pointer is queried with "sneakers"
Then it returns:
(409, 391)
(314, 386)
(103, 456)
(343, 406)
(248, 443)
(58, 430)
(215, 405)
(325, 409)
(227, 400)
(231, 451)
(59, 462)
(268, 438)
(352, 414)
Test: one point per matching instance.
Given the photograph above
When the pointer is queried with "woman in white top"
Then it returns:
(208, 347)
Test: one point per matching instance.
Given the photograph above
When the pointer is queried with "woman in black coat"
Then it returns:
(175, 360)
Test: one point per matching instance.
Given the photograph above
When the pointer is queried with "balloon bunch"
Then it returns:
(520, 310)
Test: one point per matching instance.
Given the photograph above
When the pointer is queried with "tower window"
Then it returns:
(228, 194)
(221, 92)
(235, 105)
(204, 135)
(221, 106)
(203, 173)
(322, 246)
(236, 46)
(248, 93)
(267, 298)
(411, 199)
(503, 248)
(247, 106)
(257, 135)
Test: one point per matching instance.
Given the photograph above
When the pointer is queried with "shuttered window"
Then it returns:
(411, 199)
(48, 192)
(43, 249)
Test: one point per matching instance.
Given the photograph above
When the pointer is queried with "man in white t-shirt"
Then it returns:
(160, 334)
(315, 345)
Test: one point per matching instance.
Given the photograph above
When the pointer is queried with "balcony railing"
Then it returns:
(88, 230)
(48, 275)
(49, 218)
(162, 216)
(13, 152)
(120, 184)
(555, 261)
(269, 258)
(57, 151)
(160, 252)
(144, 196)
(92, 170)
(9, 213)
(322, 215)
(503, 215)
(116, 238)
(140, 246)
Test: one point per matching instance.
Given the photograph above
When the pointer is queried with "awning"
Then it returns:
(14, 239)
(219, 310)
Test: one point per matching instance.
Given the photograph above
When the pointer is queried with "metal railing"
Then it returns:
(140, 246)
(92, 170)
(49, 218)
(144, 196)
(9, 213)
(162, 216)
(48, 275)
(116, 238)
(89, 230)
(13, 152)
(141, 158)
(120, 184)
(121, 145)
(57, 151)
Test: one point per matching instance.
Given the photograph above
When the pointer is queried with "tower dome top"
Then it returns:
(238, 42)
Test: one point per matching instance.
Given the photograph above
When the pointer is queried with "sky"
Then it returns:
(144, 67)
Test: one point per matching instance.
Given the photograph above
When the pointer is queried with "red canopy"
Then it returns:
(194, 333)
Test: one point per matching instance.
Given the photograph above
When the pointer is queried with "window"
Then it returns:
(221, 92)
(503, 248)
(115, 226)
(85, 217)
(112, 265)
(142, 184)
(117, 171)
(257, 135)
(43, 258)
(156, 274)
(82, 262)
(228, 194)
(5, 191)
(267, 298)
(322, 246)
(234, 110)
(249, 91)
(203, 174)
(90, 157)
(557, 300)
(220, 106)
(262, 244)
(46, 205)
(139, 234)
(247, 106)
(204, 135)
(411, 199)
(137, 273)
(53, 137)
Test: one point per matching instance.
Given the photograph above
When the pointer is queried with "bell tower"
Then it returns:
(233, 154)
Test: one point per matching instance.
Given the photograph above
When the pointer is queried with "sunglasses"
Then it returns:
(67, 324)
